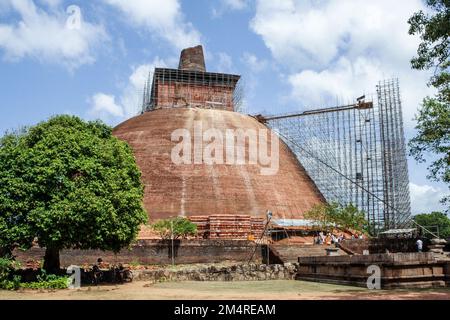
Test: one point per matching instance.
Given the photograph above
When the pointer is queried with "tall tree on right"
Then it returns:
(433, 119)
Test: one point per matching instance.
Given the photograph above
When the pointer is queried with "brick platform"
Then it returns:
(398, 270)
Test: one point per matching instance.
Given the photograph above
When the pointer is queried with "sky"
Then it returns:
(91, 58)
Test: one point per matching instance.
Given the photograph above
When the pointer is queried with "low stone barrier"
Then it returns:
(397, 270)
(239, 272)
(358, 246)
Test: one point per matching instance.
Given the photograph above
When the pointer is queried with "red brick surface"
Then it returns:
(176, 94)
(192, 59)
(237, 227)
(204, 190)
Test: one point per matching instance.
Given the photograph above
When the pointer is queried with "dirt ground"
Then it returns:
(246, 290)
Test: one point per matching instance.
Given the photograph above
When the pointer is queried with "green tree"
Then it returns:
(433, 120)
(323, 216)
(438, 219)
(177, 227)
(434, 50)
(328, 216)
(350, 218)
(15, 198)
(68, 184)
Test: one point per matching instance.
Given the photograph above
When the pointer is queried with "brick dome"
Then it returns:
(202, 189)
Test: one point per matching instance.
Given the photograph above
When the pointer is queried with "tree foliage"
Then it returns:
(69, 184)
(438, 219)
(433, 120)
(331, 215)
(434, 50)
(178, 227)
(433, 126)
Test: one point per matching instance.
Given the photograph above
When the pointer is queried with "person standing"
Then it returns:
(419, 245)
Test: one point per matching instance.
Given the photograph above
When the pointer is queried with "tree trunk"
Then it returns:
(51, 260)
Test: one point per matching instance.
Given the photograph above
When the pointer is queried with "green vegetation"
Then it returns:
(331, 215)
(433, 120)
(10, 281)
(438, 219)
(178, 227)
(7, 280)
(47, 281)
(69, 184)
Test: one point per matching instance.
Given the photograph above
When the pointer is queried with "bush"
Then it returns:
(59, 283)
(10, 281)
(47, 281)
(5, 268)
(13, 284)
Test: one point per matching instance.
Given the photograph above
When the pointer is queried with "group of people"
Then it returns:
(118, 273)
(331, 238)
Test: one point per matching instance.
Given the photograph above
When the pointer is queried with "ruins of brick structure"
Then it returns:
(191, 86)
(181, 99)
(228, 226)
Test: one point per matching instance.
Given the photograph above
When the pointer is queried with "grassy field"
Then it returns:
(254, 290)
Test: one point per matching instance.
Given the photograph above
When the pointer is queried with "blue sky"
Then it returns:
(293, 55)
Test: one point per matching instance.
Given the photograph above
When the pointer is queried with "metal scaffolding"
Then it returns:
(171, 88)
(355, 154)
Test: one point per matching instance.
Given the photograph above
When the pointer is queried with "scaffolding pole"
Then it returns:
(355, 154)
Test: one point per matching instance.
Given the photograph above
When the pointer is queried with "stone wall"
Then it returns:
(398, 270)
(159, 252)
(357, 246)
(238, 272)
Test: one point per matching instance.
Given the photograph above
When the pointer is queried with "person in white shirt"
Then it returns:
(419, 245)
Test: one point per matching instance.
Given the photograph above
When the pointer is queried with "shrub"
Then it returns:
(47, 281)
(8, 281)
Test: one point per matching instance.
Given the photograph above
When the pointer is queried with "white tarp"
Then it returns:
(398, 231)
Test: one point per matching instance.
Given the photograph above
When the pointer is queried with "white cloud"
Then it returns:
(45, 37)
(341, 49)
(425, 198)
(235, 4)
(224, 63)
(106, 107)
(163, 18)
(253, 62)
(51, 3)
(228, 5)
(345, 79)
(314, 33)
(103, 104)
